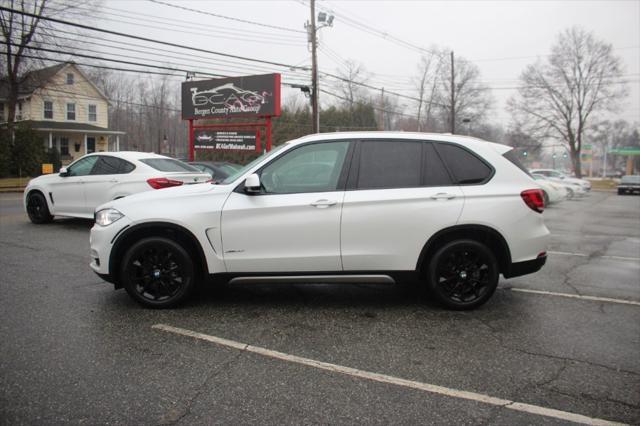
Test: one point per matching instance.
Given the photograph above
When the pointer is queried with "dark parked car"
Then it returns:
(629, 184)
(218, 170)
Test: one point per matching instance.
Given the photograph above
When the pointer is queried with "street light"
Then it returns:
(324, 20)
(467, 121)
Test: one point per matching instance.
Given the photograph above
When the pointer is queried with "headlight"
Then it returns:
(107, 216)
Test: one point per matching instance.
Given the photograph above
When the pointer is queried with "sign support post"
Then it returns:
(192, 150)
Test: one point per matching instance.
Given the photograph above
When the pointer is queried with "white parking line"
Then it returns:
(566, 253)
(383, 378)
(577, 296)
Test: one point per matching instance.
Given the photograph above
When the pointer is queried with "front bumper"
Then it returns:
(101, 242)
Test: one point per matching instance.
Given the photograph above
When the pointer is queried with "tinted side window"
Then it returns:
(465, 167)
(107, 165)
(435, 174)
(511, 156)
(390, 164)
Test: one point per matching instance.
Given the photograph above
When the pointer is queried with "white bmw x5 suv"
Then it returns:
(452, 212)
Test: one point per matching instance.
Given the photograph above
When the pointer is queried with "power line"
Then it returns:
(224, 69)
(126, 62)
(172, 21)
(276, 27)
(166, 43)
(209, 34)
(154, 50)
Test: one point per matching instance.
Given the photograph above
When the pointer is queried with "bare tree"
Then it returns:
(24, 34)
(426, 83)
(559, 97)
(472, 100)
(18, 35)
(350, 86)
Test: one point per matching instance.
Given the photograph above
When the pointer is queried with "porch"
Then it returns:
(73, 140)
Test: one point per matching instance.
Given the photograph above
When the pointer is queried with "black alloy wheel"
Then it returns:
(463, 274)
(158, 272)
(37, 208)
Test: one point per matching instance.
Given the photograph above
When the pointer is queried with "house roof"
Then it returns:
(36, 79)
(70, 127)
(31, 81)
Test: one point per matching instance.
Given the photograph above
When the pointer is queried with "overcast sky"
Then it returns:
(501, 37)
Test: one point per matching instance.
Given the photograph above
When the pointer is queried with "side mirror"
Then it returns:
(252, 184)
(63, 172)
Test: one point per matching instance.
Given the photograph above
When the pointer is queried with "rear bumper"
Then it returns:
(527, 267)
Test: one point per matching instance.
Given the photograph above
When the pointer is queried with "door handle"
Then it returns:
(323, 204)
(443, 196)
(114, 181)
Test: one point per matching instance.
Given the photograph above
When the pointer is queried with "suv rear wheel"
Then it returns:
(462, 274)
(157, 272)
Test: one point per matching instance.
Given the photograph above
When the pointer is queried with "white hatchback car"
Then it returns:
(373, 207)
(97, 178)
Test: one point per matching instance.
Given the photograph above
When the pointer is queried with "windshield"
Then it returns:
(631, 179)
(248, 167)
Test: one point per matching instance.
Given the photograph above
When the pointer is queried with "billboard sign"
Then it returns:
(226, 140)
(250, 96)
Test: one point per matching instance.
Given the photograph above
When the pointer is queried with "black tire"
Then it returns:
(157, 272)
(462, 274)
(620, 192)
(37, 208)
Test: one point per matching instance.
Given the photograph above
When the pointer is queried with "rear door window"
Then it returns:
(466, 168)
(107, 165)
(435, 173)
(390, 164)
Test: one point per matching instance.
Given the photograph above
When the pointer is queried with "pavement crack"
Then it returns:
(495, 335)
(594, 398)
(174, 417)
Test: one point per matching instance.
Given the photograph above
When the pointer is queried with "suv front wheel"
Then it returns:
(157, 272)
(462, 274)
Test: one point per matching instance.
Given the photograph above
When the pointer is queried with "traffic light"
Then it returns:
(524, 153)
(564, 155)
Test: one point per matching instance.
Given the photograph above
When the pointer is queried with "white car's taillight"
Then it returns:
(533, 198)
(159, 183)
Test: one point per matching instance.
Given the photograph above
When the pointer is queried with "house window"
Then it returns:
(19, 111)
(69, 78)
(71, 111)
(48, 110)
(64, 146)
(1, 112)
(93, 113)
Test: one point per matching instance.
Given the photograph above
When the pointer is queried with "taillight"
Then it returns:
(159, 183)
(534, 199)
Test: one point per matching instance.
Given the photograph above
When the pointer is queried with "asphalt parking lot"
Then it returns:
(559, 346)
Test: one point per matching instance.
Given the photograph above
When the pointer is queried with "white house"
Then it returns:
(67, 108)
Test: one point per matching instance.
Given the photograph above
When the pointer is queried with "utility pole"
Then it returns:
(381, 125)
(315, 111)
(453, 96)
